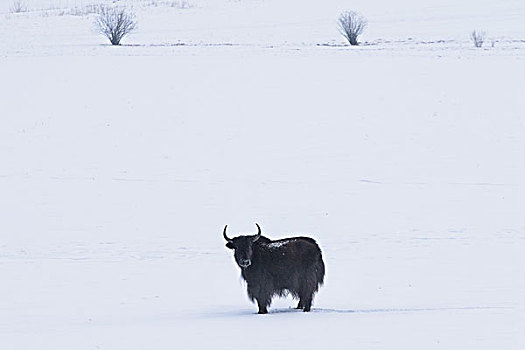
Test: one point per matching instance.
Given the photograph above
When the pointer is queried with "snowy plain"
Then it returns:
(403, 158)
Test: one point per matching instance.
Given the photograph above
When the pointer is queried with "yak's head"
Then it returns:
(243, 247)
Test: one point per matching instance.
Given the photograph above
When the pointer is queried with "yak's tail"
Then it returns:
(320, 271)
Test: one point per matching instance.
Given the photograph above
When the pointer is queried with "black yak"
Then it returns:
(291, 265)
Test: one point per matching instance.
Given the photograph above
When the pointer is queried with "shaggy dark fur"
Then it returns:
(291, 265)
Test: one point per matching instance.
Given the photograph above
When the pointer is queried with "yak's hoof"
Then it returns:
(261, 312)
(306, 309)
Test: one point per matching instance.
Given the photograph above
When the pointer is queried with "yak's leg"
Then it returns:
(263, 299)
(302, 298)
(303, 294)
(307, 297)
(263, 302)
(307, 304)
(308, 290)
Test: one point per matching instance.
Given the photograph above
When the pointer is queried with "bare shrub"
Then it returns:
(115, 23)
(181, 4)
(477, 37)
(351, 25)
(18, 6)
(86, 10)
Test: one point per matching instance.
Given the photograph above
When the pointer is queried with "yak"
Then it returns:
(276, 268)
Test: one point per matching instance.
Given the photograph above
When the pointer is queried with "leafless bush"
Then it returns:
(115, 23)
(86, 10)
(477, 37)
(351, 25)
(18, 6)
(181, 4)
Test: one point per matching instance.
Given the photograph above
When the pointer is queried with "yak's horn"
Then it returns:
(258, 233)
(224, 234)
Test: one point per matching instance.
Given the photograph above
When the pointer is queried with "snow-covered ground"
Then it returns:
(403, 157)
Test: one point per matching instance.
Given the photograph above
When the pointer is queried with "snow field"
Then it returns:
(402, 158)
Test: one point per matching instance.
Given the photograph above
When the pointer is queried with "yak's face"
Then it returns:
(243, 247)
(243, 250)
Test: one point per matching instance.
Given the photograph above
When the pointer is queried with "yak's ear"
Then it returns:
(230, 245)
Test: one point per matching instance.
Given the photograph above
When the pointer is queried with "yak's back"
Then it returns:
(265, 241)
(301, 249)
(301, 241)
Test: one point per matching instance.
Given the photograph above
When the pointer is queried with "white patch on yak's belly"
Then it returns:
(279, 244)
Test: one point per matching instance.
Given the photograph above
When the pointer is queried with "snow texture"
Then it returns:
(402, 157)
(279, 244)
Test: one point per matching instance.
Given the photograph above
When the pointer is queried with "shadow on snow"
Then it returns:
(355, 311)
